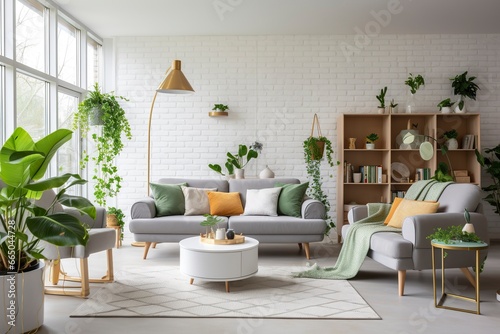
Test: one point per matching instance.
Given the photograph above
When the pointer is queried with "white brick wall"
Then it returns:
(273, 86)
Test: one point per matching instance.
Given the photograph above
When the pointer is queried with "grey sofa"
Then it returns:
(411, 250)
(149, 228)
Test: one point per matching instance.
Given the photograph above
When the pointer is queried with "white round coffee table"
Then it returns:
(218, 263)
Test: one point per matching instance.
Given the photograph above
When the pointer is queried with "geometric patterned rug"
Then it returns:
(163, 292)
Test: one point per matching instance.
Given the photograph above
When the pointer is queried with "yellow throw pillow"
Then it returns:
(409, 208)
(225, 204)
(394, 206)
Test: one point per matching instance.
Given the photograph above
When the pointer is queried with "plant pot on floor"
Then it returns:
(23, 301)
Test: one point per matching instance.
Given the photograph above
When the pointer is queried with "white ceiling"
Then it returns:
(109, 18)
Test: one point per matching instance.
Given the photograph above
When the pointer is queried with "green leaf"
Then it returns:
(216, 168)
(242, 150)
(82, 204)
(48, 146)
(60, 229)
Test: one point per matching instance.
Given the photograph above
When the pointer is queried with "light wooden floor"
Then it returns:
(412, 313)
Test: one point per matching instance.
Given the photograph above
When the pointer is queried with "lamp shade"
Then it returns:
(175, 82)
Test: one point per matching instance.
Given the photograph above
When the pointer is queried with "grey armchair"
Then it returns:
(100, 239)
(411, 250)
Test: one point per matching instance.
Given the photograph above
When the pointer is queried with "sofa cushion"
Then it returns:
(291, 198)
(394, 206)
(411, 208)
(225, 204)
(221, 185)
(262, 202)
(184, 225)
(242, 185)
(169, 199)
(279, 225)
(391, 244)
(196, 200)
(452, 198)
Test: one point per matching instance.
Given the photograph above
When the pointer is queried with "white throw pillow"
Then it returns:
(262, 202)
(196, 200)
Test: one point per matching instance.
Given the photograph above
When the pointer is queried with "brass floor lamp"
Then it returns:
(174, 83)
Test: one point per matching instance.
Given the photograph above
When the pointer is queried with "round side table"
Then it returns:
(459, 246)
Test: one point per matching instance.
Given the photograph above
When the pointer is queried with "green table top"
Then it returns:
(459, 245)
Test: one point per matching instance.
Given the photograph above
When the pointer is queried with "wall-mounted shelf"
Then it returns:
(218, 113)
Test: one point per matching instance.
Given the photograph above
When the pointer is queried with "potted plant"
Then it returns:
(451, 139)
(453, 234)
(210, 222)
(490, 161)
(464, 87)
(414, 83)
(24, 225)
(370, 141)
(108, 143)
(115, 217)
(236, 162)
(313, 169)
(393, 107)
(381, 100)
(219, 110)
(445, 106)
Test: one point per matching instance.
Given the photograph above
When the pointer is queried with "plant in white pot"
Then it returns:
(381, 100)
(370, 141)
(445, 106)
(464, 87)
(393, 107)
(414, 83)
(23, 225)
(451, 139)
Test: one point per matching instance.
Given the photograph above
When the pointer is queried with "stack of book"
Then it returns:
(371, 174)
(422, 174)
(398, 193)
(469, 142)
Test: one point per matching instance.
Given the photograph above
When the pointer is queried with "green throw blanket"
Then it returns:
(357, 242)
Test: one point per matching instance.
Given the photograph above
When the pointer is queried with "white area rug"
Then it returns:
(272, 293)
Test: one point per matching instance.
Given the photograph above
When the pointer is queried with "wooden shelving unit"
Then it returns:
(389, 151)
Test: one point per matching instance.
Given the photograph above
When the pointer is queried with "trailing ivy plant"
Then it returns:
(313, 157)
(108, 143)
(453, 233)
(490, 161)
(120, 216)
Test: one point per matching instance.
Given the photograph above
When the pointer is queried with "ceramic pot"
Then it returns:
(230, 234)
(96, 116)
(381, 110)
(239, 173)
(452, 144)
(24, 309)
(220, 234)
(446, 110)
(266, 173)
(370, 146)
(469, 228)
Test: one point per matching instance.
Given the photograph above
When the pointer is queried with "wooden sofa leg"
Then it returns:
(401, 281)
(300, 246)
(84, 271)
(306, 248)
(146, 250)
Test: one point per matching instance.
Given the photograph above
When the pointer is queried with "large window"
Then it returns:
(42, 79)
(30, 33)
(31, 105)
(67, 156)
(93, 66)
(67, 51)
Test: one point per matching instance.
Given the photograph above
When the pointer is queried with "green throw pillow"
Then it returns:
(291, 197)
(169, 199)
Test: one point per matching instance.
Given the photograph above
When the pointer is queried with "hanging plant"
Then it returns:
(313, 155)
(108, 143)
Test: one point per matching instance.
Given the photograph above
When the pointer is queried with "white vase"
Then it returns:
(28, 301)
(410, 104)
(370, 146)
(469, 228)
(239, 173)
(220, 234)
(452, 144)
(266, 173)
(446, 110)
(460, 111)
